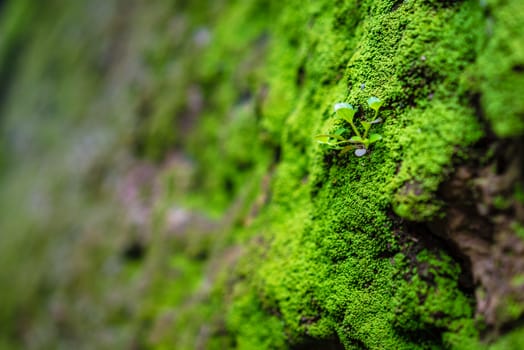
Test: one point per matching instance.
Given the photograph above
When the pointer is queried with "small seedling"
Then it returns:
(361, 140)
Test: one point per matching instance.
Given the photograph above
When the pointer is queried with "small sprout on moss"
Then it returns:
(360, 141)
(347, 112)
(375, 103)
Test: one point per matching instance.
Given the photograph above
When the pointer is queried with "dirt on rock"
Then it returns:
(482, 217)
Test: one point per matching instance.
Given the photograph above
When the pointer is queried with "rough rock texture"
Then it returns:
(161, 185)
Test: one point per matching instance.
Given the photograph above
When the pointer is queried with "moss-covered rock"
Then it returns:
(161, 185)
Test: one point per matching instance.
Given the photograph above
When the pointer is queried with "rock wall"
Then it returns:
(163, 183)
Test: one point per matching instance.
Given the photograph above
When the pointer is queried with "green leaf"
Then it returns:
(356, 139)
(340, 131)
(336, 136)
(322, 138)
(325, 138)
(341, 105)
(345, 111)
(375, 103)
(374, 138)
(366, 125)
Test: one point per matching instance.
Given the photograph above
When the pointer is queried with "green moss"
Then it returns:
(429, 299)
(327, 269)
(512, 340)
(500, 63)
(304, 246)
(255, 328)
(428, 144)
(330, 272)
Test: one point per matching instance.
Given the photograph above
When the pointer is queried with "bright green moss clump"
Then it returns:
(330, 270)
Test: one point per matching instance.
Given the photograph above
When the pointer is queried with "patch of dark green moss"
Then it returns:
(428, 302)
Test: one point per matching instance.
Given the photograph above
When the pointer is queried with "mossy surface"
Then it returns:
(179, 175)
(501, 62)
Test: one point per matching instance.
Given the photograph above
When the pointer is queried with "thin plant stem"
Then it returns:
(355, 128)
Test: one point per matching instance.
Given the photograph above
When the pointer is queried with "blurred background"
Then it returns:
(98, 105)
